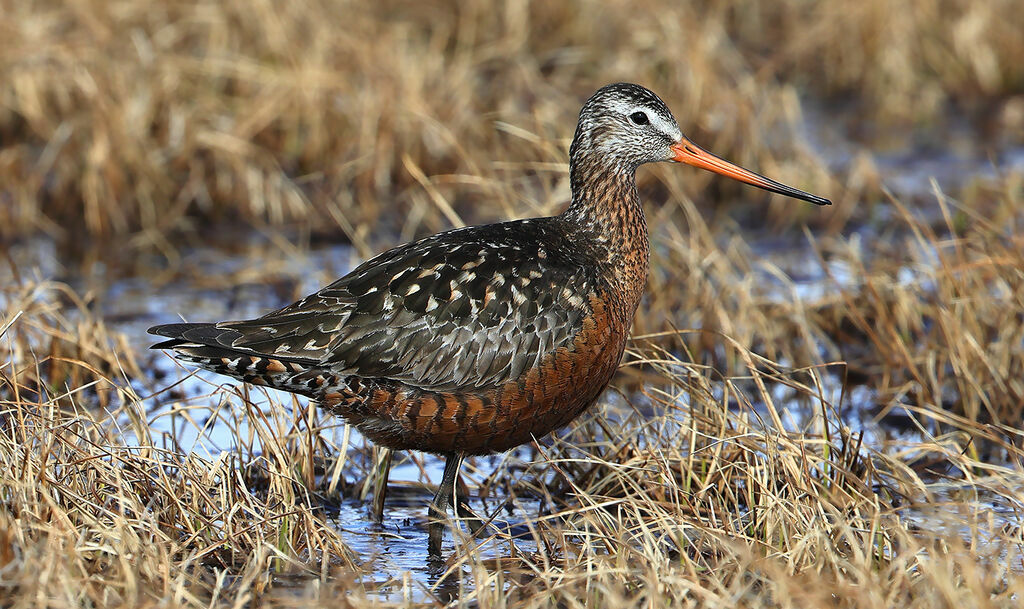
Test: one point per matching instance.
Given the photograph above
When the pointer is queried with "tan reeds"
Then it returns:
(703, 491)
(122, 119)
(719, 471)
(99, 512)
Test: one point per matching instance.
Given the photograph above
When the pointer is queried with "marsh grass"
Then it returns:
(147, 123)
(99, 512)
(737, 460)
(693, 487)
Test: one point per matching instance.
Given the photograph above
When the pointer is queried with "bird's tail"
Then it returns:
(207, 346)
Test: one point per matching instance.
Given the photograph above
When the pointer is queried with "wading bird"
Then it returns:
(478, 339)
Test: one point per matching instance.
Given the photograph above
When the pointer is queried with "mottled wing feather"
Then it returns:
(302, 330)
(216, 335)
(467, 308)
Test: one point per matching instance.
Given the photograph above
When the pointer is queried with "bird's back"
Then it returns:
(441, 329)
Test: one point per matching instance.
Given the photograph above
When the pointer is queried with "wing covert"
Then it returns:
(471, 312)
(472, 307)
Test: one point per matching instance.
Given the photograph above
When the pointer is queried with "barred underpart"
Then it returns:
(475, 339)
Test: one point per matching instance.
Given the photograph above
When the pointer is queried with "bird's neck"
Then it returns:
(606, 212)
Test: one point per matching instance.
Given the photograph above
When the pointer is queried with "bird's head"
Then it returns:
(627, 125)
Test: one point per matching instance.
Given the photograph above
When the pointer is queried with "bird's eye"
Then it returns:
(639, 118)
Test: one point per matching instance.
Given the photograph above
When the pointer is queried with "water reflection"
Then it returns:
(185, 410)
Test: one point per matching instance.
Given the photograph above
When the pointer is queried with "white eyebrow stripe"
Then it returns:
(658, 121)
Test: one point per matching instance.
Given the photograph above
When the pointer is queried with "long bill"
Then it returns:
(692, 154)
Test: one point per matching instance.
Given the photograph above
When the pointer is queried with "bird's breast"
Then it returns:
(544, 397)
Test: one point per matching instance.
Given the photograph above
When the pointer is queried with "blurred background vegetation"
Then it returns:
(136, 123)
(215, 158)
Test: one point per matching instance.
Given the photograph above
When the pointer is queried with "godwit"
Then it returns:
(479, 339)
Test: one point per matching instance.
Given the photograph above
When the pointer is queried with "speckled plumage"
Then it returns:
(476, 339)
(422, 346)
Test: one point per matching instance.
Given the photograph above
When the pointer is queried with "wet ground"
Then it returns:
(249, 275)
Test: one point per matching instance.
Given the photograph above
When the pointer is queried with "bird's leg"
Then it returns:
(476, 526)
(380, 483)
(440, 503)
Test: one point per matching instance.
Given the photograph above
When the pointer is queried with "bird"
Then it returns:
(478, 339)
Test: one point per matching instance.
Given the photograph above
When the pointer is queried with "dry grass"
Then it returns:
(100, 511)
(142, 121)
(720, 472)
(667, 499)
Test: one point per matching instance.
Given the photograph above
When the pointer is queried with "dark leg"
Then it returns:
(439, 505)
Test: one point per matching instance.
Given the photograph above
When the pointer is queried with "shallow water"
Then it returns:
(396, 548)
(252, 278)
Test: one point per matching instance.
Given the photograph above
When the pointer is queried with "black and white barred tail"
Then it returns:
(277, 373)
